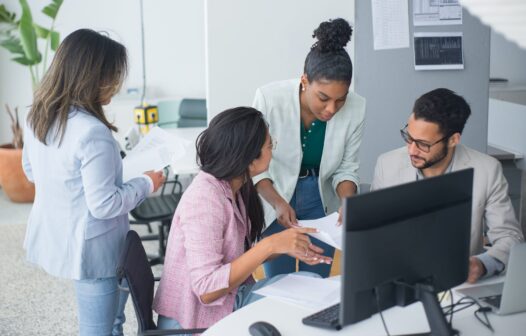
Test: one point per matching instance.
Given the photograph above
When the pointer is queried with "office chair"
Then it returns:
(192, 113)
(159, 208)
(168, 113)
(134, 267)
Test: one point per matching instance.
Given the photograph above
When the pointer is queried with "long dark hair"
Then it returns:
(231, 142)
(327, 58)
(86, 65)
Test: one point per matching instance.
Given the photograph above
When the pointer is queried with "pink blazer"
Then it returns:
(208, 232)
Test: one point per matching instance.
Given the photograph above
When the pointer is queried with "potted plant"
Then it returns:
(21, 37)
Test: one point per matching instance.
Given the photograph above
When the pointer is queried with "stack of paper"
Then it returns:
(330, 233)
(155, 151)
(304, 291)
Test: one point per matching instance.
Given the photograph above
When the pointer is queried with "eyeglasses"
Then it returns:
(424, 147)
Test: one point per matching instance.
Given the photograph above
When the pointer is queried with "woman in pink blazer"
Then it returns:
(214, 244)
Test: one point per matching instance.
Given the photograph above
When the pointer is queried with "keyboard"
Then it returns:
(328, 318)
(493, 300)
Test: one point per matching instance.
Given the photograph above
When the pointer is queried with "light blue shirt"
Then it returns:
(79, 219)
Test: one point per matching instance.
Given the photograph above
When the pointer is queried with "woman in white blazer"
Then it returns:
(318, 125)
(79, 218)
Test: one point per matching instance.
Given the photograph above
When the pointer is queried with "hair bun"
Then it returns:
(332, 35)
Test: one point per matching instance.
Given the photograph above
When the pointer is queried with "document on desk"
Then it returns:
(330, 233)
(304, 291)
(156, 150)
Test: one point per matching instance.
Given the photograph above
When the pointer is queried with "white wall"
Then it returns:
(507, 126)
(507, 60)
(175, 56)
(251, 43)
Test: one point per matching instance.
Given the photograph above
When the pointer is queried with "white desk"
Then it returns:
(187, 164)
(411, 319)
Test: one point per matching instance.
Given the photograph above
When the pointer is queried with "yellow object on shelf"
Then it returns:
(146, 117)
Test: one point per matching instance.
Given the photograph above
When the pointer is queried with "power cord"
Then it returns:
(466, 302)
(380, 311)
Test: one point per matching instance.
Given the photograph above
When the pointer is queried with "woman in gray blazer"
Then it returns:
(318, 126)
(79, 218)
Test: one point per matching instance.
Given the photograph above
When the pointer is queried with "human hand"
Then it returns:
(157, 178)
(476, 269)
(296, 243)
(285, 215)
(339, 222)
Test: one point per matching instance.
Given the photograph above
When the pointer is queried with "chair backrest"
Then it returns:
(168, 112)
(135, 268)
(192, 113)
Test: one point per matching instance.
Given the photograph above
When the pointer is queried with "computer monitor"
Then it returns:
(406, 243)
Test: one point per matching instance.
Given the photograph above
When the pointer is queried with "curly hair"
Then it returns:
(445, 108)
(327, 58)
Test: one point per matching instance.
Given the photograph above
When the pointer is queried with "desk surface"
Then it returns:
(187, 164)
(411, 319)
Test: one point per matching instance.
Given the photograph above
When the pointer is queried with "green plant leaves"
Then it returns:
(13, 45)
(6, 16)
(51, 10)
(41, 31)
(28, 36)
(55, 40)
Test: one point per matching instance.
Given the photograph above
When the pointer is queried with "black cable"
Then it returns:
(380, 311)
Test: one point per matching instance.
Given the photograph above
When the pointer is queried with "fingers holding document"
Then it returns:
(157, 178)
(296, 243)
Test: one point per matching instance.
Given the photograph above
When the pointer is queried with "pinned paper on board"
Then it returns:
(436, 12)
(438, 51)
(390, 24)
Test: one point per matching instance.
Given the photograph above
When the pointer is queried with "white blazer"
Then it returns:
(491, 204)
(79, 219)
(279, 102)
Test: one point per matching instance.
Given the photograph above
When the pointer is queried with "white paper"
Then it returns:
(330, 233)
(304, 291)
(390, 24)
(155, 151)
(438, 51)
(436, 12)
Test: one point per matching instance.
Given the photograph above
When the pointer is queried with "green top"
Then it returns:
(312, 140)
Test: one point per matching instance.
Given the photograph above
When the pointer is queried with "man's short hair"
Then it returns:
(445, 108)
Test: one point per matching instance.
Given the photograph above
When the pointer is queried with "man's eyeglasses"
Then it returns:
(423, 146)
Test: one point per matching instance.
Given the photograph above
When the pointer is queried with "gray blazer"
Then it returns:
(79, 219)
(491, 204)
(280, 104)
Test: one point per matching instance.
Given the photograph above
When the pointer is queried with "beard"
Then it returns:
(427, 163)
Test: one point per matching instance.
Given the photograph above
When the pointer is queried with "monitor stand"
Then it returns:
(435, 316)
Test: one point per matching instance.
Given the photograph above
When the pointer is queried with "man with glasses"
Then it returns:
(432, 135)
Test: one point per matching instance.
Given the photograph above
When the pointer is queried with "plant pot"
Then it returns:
(12, 178)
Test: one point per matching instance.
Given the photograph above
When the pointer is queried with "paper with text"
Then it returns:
(155, 151)
(330, 233)
(304, 291)
(390, 24)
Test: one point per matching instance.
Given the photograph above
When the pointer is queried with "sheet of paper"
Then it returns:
(155, 151)
(330, 232)
(304, 291)
(436, 12)
(438, 51)
(390, 24)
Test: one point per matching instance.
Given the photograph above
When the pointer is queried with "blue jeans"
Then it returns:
(306, 202)
(245, 296)
(100, 306)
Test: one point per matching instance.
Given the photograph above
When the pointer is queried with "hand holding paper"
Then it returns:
(329, 231)
(155, 151)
